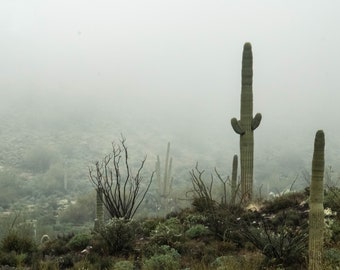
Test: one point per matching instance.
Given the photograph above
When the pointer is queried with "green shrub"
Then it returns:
(196, 219)
(245, 262)
(8, 258)
(19, 244)
(167, 232)
(332, 258)
(55, 247)
(165, 258)
(123, 265)
(197, 231)
(79, 241)
(119, 234)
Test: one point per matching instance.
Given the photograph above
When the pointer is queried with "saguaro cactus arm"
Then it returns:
(236, 126)
(256, 121)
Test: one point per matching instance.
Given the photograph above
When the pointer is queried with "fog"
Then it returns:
(162, 71)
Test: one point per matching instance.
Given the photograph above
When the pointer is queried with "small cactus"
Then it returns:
(234, 180)
(316, 213)
(99, 210)
(247, 124)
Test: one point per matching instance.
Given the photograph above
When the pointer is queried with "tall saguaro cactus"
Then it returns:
(316, 213)
(247, 124)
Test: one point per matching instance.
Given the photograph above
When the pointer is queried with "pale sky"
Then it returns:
(181, 60)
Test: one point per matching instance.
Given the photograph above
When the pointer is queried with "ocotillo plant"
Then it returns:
(234, 180)
(316, 212)
(247, 124)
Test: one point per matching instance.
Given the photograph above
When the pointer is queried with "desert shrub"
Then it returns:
(79, 241)
(119, 234)
(228, 262)
(66, 261)
(8, 258)
(285, 201)
(17, 243)
(55, 247)
(332, 258)
(332, 198)
(282, 245)
(167, 232)
(197, 231)
(250, 261)
(196, 219)
(165, 258)
(123, 265)
(148, 225)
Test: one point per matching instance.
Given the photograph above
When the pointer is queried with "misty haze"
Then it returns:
(77, 76)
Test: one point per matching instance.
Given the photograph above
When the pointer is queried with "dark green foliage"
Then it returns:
(119, 235)
(55, 247)
(79, 242)
(9, 258)
(18, 244)
(66, 261)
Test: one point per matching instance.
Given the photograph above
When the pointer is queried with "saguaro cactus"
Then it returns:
(247, 124)
(165, 182)
(316, 213)
(234, 180)
(99, 210)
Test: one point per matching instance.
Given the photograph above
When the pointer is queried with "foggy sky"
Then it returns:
(176, 65)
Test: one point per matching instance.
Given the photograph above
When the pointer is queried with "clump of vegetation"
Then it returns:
(197, 231)
(119, 235)
(168, 232)
(79, 241)
(17, 250)
(165, 257)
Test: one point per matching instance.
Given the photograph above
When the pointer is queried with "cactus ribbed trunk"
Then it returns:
(99, 210)
(316, 212)
(247, 124)
(165, 182)
(234, 180)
